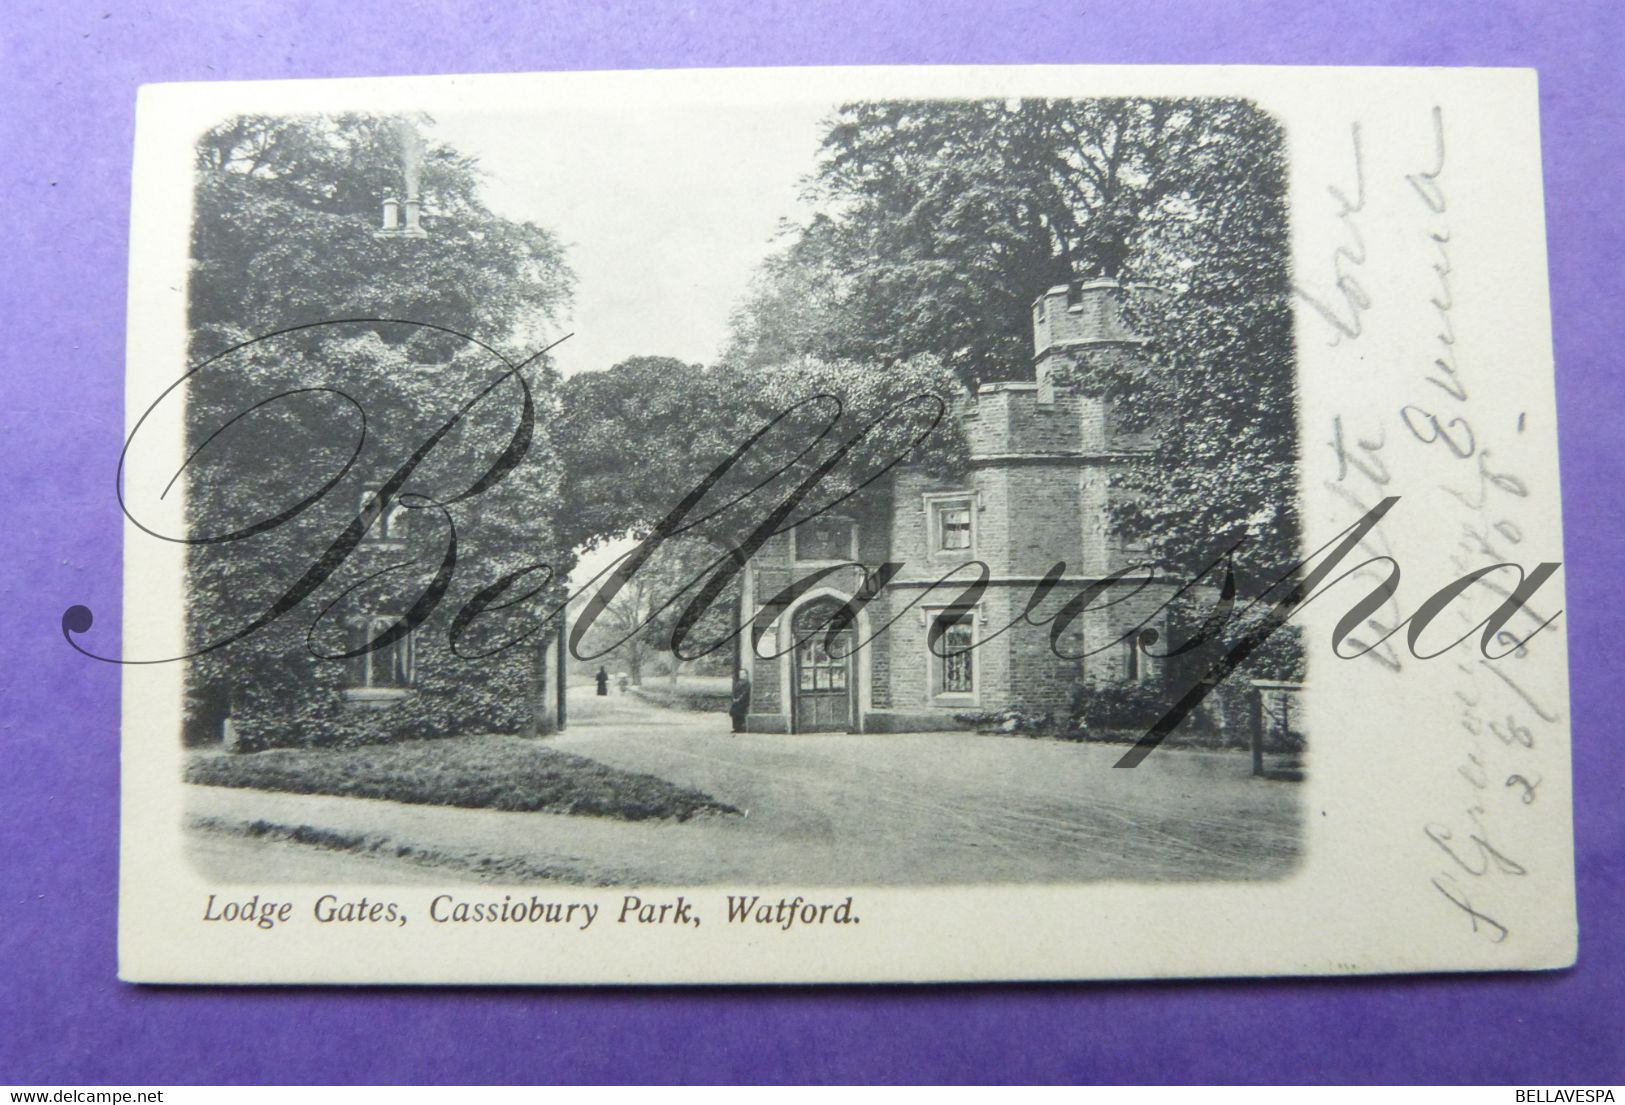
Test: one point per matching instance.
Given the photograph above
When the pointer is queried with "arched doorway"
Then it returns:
(821, 678)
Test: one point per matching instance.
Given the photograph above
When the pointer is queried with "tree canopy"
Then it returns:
(940, 222)
(633, 439)
(284, 236)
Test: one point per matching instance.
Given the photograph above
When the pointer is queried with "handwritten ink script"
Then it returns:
(1344, 308)
(1503, 723)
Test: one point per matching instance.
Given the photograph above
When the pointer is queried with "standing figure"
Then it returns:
(740, 706)
(603, 681)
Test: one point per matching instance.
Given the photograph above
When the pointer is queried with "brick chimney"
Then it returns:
(414, 210)
(412, 147)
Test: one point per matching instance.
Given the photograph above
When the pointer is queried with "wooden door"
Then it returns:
(823, 684)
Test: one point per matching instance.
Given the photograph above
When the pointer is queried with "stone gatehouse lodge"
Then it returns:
(1037, 491)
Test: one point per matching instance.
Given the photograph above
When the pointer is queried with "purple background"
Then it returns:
(67, 127)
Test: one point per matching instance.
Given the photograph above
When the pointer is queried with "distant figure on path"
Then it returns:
(603, 681)
(621, 682)
(740, 706)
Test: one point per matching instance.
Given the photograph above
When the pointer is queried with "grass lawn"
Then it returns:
(487, 772)
(707, 693)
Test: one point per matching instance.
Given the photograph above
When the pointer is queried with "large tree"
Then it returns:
(283, 233)
(939, 223)
(285, 239)
(635, 439)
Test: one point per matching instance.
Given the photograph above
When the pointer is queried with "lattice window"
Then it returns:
(819, 670)
(956, 666)
(392, 666)
(953, 524)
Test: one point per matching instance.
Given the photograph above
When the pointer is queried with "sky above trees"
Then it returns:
(874, 233)
(666, 211)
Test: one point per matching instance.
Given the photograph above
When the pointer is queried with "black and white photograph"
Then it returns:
(1018, 382)
(710, 545)
(872, 525)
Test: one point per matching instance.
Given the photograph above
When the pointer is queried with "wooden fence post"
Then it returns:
(560, 665)
(1258, 731)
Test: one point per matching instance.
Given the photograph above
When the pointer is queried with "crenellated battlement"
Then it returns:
(1020, 419)
(1082, 313)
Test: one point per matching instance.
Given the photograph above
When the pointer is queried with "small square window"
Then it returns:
(952, 522)
(824, 538)
(392, 524)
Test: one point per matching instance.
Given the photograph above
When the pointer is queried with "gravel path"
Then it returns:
(835, 809)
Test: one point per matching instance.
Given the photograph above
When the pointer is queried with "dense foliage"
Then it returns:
(940, 222)
(497, 773)
(634, 439)
(282, 234)
(284, 237)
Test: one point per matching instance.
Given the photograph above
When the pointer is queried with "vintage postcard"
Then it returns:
(841, 525)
